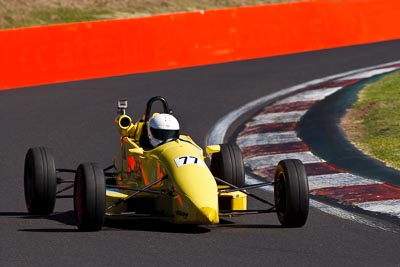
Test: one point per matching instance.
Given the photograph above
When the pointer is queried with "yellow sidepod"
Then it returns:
(194, 188)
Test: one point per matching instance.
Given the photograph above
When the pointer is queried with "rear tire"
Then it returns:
(291, 193)
(40, 181)
(89, 197)
(228, 165)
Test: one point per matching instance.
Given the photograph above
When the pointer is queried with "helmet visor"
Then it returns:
(164, 134)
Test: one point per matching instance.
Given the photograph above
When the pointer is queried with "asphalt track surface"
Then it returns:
(76, 120)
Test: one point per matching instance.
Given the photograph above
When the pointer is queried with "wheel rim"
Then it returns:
(280, 201)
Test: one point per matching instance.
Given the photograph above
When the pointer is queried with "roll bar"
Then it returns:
(144, 141)
(150, 104)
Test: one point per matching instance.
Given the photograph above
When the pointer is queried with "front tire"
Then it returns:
(89, 197)
(40, 181)
(228, 165)
(291, 193)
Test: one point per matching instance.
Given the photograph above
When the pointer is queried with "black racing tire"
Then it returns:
(228, 165)
(89, 197)
(291, 193)
(40, 181)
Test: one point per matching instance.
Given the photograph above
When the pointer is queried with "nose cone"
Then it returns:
(195, 213)
(208, 215)
(202, 206)
(194, 184)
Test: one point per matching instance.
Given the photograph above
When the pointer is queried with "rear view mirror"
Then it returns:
(213, 149)
(122, 106)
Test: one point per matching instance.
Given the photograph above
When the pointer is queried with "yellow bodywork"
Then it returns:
(232, 200)
(189, 190)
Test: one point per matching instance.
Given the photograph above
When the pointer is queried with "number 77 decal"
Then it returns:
(186, 160)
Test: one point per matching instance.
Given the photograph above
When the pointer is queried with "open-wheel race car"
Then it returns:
(161, 174)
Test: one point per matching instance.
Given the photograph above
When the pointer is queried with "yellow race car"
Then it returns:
(161, 174)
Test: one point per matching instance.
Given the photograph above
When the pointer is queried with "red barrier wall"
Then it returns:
(41, 55)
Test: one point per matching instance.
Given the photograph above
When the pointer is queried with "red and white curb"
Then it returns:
(270, 136)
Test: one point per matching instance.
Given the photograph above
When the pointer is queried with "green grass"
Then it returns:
(55, 16)
(66, 15)
(379, 115)
(19, 13)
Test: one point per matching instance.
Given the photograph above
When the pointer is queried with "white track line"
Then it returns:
(337, 179)
(312, 95)
(218, 132)
(330, 209)
(272, 160)
(279, 117)
(382, 206)
(268, 138)
(369, 74)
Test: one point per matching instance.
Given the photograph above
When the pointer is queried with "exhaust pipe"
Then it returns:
(124, 124)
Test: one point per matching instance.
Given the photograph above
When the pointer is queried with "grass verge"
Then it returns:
(373, 123)
(22, 13)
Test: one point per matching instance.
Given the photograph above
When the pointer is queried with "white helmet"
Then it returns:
(161, 128)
